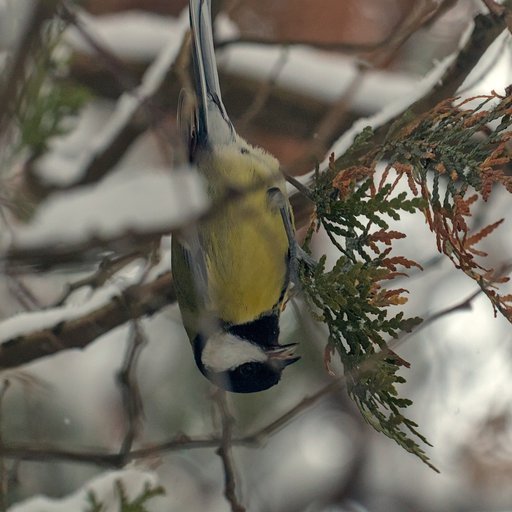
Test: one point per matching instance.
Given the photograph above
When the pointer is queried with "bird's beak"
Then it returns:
(282, 355)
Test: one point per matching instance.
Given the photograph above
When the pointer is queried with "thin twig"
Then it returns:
(21, 292)
(130, 393)
(494, 7)
(330, 123)
(420, 14)
(131, 119)
(89, 250)
(328, 127)
(261, 436)
(4, 480)
(501, 11)
(255, 439)
(106, 269)
(40, 452)
(303, 189)
(485, 31)
(350, 48)
(126, 80)
(263, 93)
(463, 305)
(110, 60)
(224, 451)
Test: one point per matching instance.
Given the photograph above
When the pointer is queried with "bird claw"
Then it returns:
(299, 255)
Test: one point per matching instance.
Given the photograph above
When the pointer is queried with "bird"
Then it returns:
(233, 270)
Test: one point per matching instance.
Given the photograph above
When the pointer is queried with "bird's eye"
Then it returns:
(246, 370)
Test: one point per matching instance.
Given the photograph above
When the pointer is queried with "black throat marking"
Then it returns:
(263, 331)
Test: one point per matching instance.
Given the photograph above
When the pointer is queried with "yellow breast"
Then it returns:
(245, 243)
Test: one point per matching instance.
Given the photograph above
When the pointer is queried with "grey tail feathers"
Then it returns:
(205, 66)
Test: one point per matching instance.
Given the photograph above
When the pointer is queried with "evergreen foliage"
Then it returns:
(138, 504)
(46, 100)
(446, 160)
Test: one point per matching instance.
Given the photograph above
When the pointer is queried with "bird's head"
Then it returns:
(240, 365)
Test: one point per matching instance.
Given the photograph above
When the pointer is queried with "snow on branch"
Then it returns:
(71, 222)
(442, 82)
(109, 492)
(30, 336)
(106, 149)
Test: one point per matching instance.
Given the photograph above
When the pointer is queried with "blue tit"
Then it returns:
(233, 269)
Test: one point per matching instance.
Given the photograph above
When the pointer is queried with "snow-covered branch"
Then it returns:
(30, 336)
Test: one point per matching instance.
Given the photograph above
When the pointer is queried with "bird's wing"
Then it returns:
(190, 272)
(278, 199)
(296, 252)
(187, 122)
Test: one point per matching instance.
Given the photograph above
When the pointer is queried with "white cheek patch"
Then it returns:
(223, 351)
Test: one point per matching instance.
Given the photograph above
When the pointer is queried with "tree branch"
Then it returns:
(487, 27)
(350, 48)
(224, 451)
(144, 300)
(256, 439)
(45, 257)
(127, 380)
(138, 109)
(251, 440)
(485, 31)
(463, 305)
(501, 10)
(41, 12)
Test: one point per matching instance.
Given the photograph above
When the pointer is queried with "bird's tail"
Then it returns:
(212, 119)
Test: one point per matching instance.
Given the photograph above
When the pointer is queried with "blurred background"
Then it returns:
(295, 74)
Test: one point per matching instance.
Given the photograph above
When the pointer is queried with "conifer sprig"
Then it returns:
(445, 162)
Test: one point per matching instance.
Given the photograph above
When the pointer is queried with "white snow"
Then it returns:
(164, 265)
(392, 109)
(146, 202)
(494, 70)
(315, 73)
(32, 321)
(225, 28)
(382, 116)
(470, 86)
(102, 487)
(131, 34)
(140, 35)
(57, 170)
